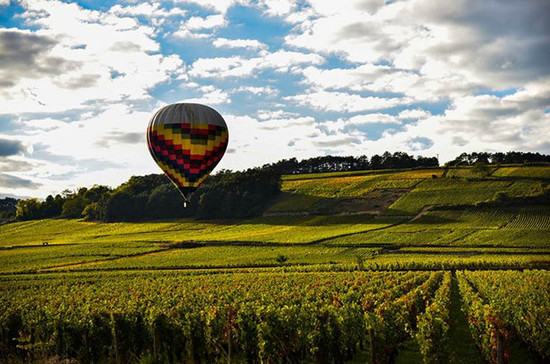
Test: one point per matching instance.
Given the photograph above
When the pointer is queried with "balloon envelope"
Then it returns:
(187, 141)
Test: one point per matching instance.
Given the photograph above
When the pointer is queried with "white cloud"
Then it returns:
(75, 54)
(275, 114)
(266, 90)
(238, 66)
(345, 125)
(211, 96)
(238, 43)
(414, 114)
(153, 10)
(212, 21)
(219, 6)
(196, 26)
(278, 7)
(450, 46)
(345, 102)
(376, 118)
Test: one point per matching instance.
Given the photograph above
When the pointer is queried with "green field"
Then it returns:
(341, 267)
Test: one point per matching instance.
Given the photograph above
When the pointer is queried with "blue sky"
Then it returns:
(80, 80)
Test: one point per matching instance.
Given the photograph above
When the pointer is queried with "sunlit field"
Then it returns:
(396, 265)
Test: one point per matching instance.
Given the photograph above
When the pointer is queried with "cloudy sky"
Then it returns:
(80, 80)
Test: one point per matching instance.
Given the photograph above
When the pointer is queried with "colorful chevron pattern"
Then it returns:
(187, 152)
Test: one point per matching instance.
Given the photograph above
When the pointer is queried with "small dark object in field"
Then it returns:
(281, 259)
(434, 176)
(45, 243)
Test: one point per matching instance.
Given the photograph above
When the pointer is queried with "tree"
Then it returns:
(28, 209)
(165, 201)
(8, 208)
(92, 212)
(73, 206)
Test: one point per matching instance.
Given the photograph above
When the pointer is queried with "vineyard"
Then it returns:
(402, 266)
(266, 317)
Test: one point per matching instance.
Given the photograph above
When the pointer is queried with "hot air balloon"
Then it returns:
(187, 141)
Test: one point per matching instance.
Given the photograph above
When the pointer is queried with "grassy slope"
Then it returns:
(310, 239)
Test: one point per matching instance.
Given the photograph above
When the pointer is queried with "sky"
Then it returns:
(79, 81)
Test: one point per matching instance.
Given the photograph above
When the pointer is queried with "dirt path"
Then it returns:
(463, 348)
(420, 213)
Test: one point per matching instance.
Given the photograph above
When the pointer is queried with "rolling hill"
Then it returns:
(393, 264)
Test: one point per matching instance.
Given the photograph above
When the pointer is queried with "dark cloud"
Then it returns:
(126, 46)
(460, 141)
(370, 5)
(130, 138)
(419, 143)
(10, 147)
(510, 45)
(337, 142)
(119, 137)
(9, 181)
(25, 54)
(11, 165)
(80, 82)
(360, 30)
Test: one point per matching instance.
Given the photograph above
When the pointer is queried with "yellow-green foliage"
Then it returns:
(482, 227)
(531, 217)
(71, 242)
(289, 177)
(235, 256)
(392, 183)
(468, 172)
(282, 229)
(523, 172)
(460, 192)
(333, 187)
(507, 303)
(302, 195)
(418, 174)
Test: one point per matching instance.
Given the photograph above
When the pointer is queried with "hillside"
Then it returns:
(403, 218)
(406, 266)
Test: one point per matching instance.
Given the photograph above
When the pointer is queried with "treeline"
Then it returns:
(470, 159)
(224, 195)
(8, 206)
(327, 164)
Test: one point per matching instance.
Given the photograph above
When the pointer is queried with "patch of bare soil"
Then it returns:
(373, 202)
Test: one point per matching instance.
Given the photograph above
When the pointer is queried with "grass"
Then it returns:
(525, 227)
(308, 239)
(523, 172)
(290, 177)
(72, 242)
(266, 254)
(236, 256)
(531, 217)
(449, 192)
(40, 257)
(282, 229)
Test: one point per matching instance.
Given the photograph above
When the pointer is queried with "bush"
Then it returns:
(281, 258)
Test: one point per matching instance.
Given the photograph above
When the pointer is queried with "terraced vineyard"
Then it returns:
(347, 266)
(531, 218)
